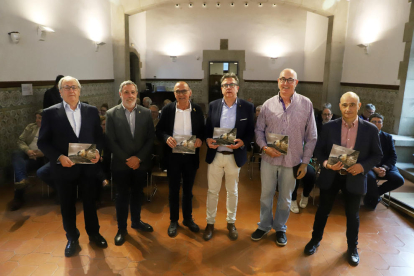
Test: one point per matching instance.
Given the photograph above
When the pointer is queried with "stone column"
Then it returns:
(334, 58)
(404, 104)
(120, 45)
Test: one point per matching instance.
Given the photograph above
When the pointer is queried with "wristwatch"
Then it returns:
(264, 149)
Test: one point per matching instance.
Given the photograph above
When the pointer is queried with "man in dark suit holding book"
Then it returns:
(181, 118)
(353, 133)
(229, 112)
(130, 136)
(385, 170)
(73, 122)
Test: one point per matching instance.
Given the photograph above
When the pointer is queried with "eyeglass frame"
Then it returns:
(231, 85)
(289, 80)
(67, 87)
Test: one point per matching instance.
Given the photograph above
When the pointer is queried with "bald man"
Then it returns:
(351, 132)
(291, 114)
(181, 118)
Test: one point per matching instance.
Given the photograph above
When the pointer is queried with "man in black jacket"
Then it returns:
(385, 170)
(181, 118)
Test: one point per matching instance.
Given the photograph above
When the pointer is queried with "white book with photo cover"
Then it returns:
(80, 153)
(224, 136)
(279, 142)
(185, 144)
(347, 156)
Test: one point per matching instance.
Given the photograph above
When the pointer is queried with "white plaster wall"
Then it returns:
(380, 23)
(186, 32)
(138, 36)
(68, 51)
(315, 47)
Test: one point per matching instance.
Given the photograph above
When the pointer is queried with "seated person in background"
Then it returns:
(308, 181)
(138, 101)
(324, 117)
(167, 101)
(385, 170)
(155, 111)
(368, 111)
(27, 158)
(104, 109)
(146, 102)
(258, 108)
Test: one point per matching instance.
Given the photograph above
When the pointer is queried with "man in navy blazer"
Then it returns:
(229, 112)
(357, 134)
(73, 122)
(181, 118)
(385, 170)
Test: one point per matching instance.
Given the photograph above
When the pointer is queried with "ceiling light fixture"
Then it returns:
(260, 5)
(190, 5)
(218, 4)
(204, 5)
(177, 5)
(246, 4)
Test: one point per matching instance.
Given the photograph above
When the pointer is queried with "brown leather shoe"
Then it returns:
(233, 234)
(208, 232)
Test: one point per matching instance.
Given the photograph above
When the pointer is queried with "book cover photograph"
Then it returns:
(348, 157)
(185, 144)
(80, 153)
(279, 142)
(224, 136)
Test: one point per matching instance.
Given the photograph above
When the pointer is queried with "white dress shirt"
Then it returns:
(130, 116)
(182, 121)
(74, 117)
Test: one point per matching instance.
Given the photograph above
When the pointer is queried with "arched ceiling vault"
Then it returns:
(322, 7)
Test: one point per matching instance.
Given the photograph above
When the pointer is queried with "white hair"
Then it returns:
(128, 82)
(68, 78)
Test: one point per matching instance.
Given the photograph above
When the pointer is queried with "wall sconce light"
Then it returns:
(231, 4)
(260, 5)
(15, 36)
(190, 5)
(173, 58)
(204, 5)
(274, 5)
(177, 5)
(246, 4)
(365, 46)
(97, 44)
(273, 59)
(218, 4)
(42, 30)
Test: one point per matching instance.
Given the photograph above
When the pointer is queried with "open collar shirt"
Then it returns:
(130, 116)
(74, 117)
(297, 121)
(182, 121)
(227, 119)
(349, 134)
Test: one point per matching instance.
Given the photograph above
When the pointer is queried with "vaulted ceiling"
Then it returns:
(322, 7)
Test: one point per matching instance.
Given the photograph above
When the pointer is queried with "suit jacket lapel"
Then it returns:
(337, 133)
(64, 118)
(238, 113)
(220, 110)
(138, 122)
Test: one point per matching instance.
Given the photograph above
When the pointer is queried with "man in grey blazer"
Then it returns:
(130, 137)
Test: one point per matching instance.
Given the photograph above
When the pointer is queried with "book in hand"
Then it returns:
(80, 153)
(279, 142)
(348, 157)
(185, 144)
(224, 136)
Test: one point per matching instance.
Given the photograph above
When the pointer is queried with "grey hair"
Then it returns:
(128, 82)
(327, 106)
(148, 100)
(67, 78)
(370, 106)
(230, 76)
(153, 105)
(259, 107)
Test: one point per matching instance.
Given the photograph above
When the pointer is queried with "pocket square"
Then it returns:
(243, 119)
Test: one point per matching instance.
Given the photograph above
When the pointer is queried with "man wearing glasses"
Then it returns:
(229, 112)
(288, 114)
(73, 122)
(324, 117)
(181, 118)
(368, 111)
(385, 170)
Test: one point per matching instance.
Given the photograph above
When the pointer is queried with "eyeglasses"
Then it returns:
(227, 85)
(73, 87)
(289, 80)
(326, 114)
(182, 92)
(376, 122)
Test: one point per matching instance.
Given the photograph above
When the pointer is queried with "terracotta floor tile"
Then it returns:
(28, 246)
(45, 269)
(5, 256)
(34, 259)
(11, 245)
(7, 267)
(23, 270)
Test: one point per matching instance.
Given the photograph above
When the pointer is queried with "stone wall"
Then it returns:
(383, 99)
(17, 111)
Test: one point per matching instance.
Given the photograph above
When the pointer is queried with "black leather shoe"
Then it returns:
(71, 247)
(120, 237)
(208, 232)
(172, 229)
(145, 227)
(310, 248)
(191, 225)
(98, 240)
(353, 257)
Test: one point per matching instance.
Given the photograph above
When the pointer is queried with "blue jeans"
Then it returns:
(271, 176)
(22, 164)
(45, 175)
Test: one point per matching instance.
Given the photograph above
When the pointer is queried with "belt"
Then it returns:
(342, 172)
(225, 152)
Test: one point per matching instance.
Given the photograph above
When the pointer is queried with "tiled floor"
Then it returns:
(32, 241)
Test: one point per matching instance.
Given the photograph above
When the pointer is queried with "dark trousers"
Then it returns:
(327, 199)
(67, 189)
(308, 181)
(129, 185)
(394, 181)
(181, 165)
